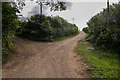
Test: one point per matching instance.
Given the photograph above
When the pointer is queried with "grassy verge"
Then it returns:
(66, 37)
(103, 65)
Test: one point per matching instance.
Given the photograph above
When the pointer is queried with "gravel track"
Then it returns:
(45, 60)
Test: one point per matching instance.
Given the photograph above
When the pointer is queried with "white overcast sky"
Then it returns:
(80, 10)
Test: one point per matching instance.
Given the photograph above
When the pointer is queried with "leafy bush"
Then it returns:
(86, 30)
(48, 30)
(103, 36)
(9, 23)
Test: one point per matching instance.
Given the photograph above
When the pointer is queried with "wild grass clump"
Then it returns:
(103, 64)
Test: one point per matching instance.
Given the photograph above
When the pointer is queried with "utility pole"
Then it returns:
(108, 13)
(73, 20)
(40, 12)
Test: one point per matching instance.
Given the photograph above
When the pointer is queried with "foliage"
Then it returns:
(49, 29)
(54, 5)
(9, 23)
(86, 29)
(103, 36)
(101, 64)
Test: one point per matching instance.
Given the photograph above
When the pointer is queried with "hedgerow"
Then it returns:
(103, 36)
(49, 29)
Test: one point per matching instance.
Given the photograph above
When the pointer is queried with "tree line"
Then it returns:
(48, 29)
(103, 36)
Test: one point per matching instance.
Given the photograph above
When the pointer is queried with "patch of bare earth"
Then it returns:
(45, 60)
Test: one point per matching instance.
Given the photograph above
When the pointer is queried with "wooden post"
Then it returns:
(108, 13)
(40, 12)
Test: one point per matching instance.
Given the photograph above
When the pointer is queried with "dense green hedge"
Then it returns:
(9, 24)
(103, 36)
(49, 29)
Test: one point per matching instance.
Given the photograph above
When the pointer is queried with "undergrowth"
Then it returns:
(103, 64)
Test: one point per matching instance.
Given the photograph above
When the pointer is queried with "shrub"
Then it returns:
(86, 30)
(48, 30)
(9, 24)
(103, 36)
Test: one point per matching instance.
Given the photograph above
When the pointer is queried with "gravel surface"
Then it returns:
(45, 60)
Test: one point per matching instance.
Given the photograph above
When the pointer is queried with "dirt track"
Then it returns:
(45, 60)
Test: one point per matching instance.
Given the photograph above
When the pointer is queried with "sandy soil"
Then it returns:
(45, 60)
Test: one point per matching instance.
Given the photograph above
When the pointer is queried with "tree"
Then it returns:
(102, 36)
(54, 6)
(9, 24)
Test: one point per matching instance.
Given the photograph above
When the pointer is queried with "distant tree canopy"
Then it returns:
(86, 29)
(103, 36)
(51, 28)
